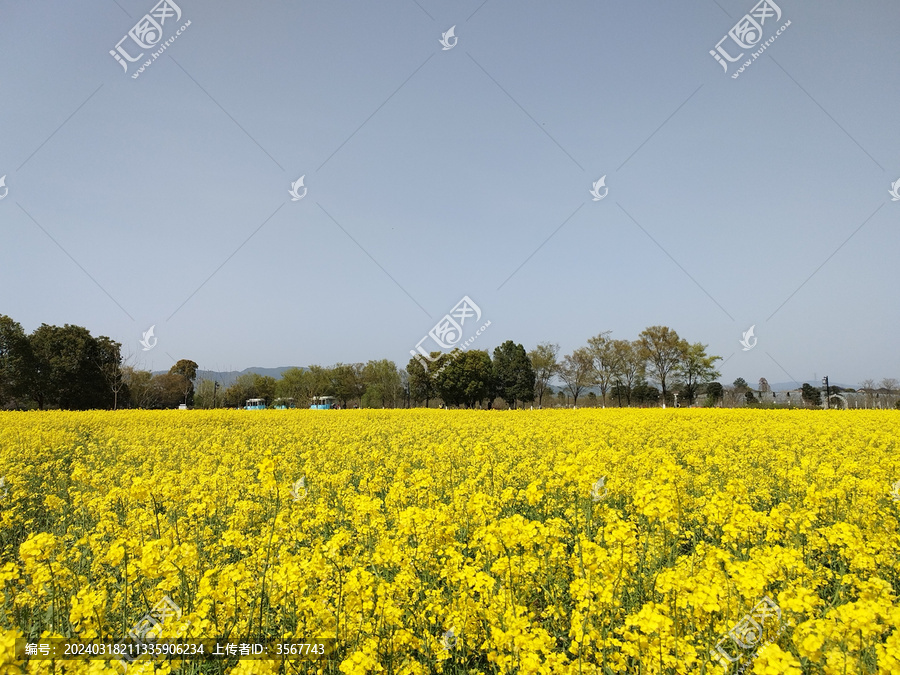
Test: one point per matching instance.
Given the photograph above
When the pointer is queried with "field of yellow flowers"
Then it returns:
(423, 541)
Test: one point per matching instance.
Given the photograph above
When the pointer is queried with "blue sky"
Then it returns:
(433, 174)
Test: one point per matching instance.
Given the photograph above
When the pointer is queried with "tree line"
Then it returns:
(68, 368)
(65, 367)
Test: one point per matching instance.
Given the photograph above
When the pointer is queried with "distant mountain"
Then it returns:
(227, 377)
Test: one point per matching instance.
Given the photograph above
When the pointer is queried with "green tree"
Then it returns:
(297, 384)
(348, 382)
(206, 394)
(108, 359)
(544, 364)
(577, 372)
(513, 375)
(628, 366)
(811, 394)
(696, 367)
(465, 378)
(168, 390)
(662, 350)
(714, 393)
(603, 356)
(187, 370)
(618, 391)
(322, 381)
(642, 393)
(16, 364)
(264, 386)
(382, 382)
(65, 369)
(247, 386)
(421, 380)
(140, 391)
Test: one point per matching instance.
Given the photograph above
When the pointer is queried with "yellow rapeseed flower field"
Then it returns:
(434, 541)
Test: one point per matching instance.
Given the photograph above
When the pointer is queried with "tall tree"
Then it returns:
(264, 386)
(714, 392)
(662, 349)
(868, 387)
(465, 378)
(628, 366)
(811, 394)
(108, 359)
(512, 373)
(297, 384)
(421, 381)
(187, 370)
(348, 382)
(322, 382)
(600, 348)
(168, 390)
(247, 386)
(16, 363)
(577, 371)
(382, 382)
(205, 394)
(66, 374)
(696, 367)
(544, 364)
(140, 391)
(643, 393)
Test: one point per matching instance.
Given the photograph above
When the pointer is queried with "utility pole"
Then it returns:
(825, 382)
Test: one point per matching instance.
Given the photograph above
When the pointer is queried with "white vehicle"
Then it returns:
(322, 403)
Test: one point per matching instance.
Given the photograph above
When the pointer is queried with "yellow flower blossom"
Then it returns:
(548, 541)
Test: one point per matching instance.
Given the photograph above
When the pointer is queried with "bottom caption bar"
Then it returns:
(129, 650)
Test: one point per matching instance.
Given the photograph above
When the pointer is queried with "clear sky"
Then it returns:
(434, 173)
